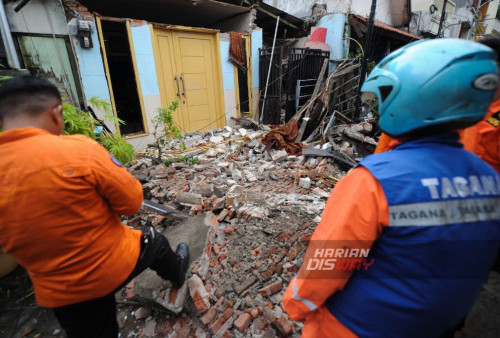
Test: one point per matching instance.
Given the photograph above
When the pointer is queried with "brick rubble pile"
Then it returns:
(262, 206)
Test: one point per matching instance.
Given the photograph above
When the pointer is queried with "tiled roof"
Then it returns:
(389, 28)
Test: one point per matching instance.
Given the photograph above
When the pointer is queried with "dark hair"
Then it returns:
(27, 95)
(493, 43)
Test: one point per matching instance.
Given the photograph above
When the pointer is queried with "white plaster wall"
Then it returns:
(303, 8)
(425, 21)
(38, 16)
(391, 12)
(490, 15)
(230, 105)
(462, 14)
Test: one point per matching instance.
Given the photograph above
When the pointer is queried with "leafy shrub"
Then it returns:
(80, 122)
(164, 127)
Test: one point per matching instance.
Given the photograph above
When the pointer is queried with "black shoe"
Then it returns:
(182, 260)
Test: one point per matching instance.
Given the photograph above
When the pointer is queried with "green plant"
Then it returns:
(121, 149)
(194, 160)
(77, 122)
(164, 127)
(182, 159)
(80, 122)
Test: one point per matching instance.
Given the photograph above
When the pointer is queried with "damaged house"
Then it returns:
(140, 57)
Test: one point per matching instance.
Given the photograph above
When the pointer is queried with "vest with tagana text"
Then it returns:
(442, 240)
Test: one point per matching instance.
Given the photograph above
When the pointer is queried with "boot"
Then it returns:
(182, 261)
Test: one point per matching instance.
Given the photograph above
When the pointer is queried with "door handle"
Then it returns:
(178, 87)
(183, 85)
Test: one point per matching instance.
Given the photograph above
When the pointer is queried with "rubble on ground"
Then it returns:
(261, 206)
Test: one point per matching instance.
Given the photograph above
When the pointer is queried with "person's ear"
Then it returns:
(57, 118)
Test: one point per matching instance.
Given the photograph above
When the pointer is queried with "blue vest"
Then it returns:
(442, 240)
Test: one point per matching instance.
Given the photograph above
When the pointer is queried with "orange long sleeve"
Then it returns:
(483, 138)
(60, 200)
(354, 217)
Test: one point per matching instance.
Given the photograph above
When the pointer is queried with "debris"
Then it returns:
(142, 313)
(305, 183)
(260, 206)
(284, 138)
(198, 293)
(279, 156)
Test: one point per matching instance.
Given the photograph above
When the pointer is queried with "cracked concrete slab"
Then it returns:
(193, 231)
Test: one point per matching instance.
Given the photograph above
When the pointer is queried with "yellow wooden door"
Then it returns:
(168, 79)
(189, 73)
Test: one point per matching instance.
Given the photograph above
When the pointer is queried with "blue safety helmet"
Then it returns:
(432, 86)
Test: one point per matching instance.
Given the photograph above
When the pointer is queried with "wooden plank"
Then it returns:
(315, 92)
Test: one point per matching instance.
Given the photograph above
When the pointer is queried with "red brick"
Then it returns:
(229, 201)
(305, 239)
(198, 293)
(209, 316)
(283, 236)
(173, 296)
(215, 327)
(306, 225)
(243, 321)
(223, 256)
(293, 252)
(216, 249)
(227, 334)
(284, 326)
(256, 252)
(199, 302)
(254, 312)
(271, 289)
(272, 249)
(266, 275)
(222, 215)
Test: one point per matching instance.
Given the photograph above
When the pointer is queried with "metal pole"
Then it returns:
(441, 19)
(367, 54)
(12, 58)
(269, 70)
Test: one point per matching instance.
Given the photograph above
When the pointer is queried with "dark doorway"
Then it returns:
(244, 98)
(122, 77)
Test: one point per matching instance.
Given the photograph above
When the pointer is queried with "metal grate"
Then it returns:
(272, 105)
(303, 64)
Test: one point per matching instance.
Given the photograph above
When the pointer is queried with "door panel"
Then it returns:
(194, 64)
(170, 89)
(195, 81)
(200, 110)
(192, 58)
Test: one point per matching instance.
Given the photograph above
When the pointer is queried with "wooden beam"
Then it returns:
(315, 92)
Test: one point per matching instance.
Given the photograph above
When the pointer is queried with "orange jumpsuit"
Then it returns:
(60, 201)
(483, 138)
(356, 212)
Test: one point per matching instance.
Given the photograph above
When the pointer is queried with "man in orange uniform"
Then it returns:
(61, 198)
(408, 237)
(483, 138)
